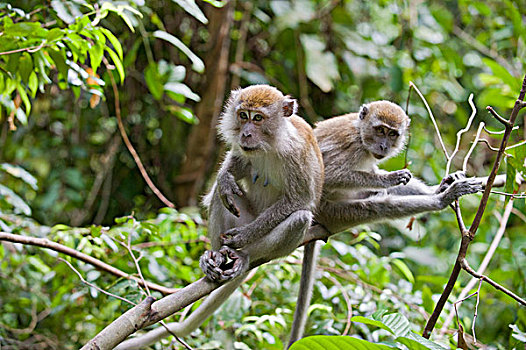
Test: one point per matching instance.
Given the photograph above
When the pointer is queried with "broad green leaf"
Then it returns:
(20, 173)
(96, 53)
(182, 89)
(54, 34)
(197, 63)
(320, 65)
(191, 7)
(117, 62)
(416, 342)
(370, 322)
(398, 324)
(325, 342)
(66, 11)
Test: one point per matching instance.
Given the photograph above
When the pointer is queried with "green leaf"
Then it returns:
(33, 84)
(182, 89)
(197, 63)
(54, 34)
(23, 95)
(416, 342)
(153, 81)
(21, 173)
(404, 270)
(117, 62)
(14, 200)
(25, 67)
(398, 324)
(191, 7)
(60, 62)
(96, 52)
(503, 74)
(325, 342)
(114, 42)
(364, 320)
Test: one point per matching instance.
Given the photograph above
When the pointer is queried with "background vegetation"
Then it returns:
(65, 173)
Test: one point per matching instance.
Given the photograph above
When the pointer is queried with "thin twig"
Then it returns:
(468, 269)
(473, 145)
(130, 147)
(497, 116)
(490, 147)
(406, 163)
(94, 286)
(347, 302)
(491, 132)
(516, 145)
(461, 131)
(46, 243)
(476, 312)
(432, 119)
(512, 195)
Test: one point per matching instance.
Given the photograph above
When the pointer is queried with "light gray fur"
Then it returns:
(356, 192)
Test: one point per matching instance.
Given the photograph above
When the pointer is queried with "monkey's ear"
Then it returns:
(363, 111)
(289, 107)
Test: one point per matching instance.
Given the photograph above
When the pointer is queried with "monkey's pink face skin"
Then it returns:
(251, 134)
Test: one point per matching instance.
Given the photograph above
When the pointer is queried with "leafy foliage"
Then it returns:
(64, 174)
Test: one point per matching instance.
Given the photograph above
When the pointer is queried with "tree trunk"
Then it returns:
(201, 141)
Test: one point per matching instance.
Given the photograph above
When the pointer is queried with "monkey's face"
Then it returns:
(254, 134)
(254, 118)
(381, 140)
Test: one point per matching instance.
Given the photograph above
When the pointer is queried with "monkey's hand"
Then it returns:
(235, 238)
(448, 180)
(223, 265)
(460, 188)
(228, 187)
(398, 177)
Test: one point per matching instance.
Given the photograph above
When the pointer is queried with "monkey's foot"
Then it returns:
(223, 265)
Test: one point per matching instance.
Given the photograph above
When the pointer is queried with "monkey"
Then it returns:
(356, 191)
(262, 201)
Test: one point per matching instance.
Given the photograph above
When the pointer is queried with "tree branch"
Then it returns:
(46, 243)
(468, 236)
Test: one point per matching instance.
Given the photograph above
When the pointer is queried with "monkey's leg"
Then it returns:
(213, 261)
(308, 269)
(281, 241)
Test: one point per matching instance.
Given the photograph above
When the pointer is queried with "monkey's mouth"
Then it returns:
(379, 156)
(249, 149)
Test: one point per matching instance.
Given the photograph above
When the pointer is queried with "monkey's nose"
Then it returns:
(247, 135)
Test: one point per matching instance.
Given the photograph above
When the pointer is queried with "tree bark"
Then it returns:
(201, 141)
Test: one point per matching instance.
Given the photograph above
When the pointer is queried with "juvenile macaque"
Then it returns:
(355, 191)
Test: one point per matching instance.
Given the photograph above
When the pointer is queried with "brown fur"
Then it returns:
(258, 96)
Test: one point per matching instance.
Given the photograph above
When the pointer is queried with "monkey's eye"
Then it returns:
(379, 130)
(257, 118)
(393, 133)
(243, 115)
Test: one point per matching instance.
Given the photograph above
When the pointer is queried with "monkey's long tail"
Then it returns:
(310, 257)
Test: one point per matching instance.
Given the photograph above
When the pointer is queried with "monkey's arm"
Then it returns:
(338, 216)
(232, 169)
(364, 179)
